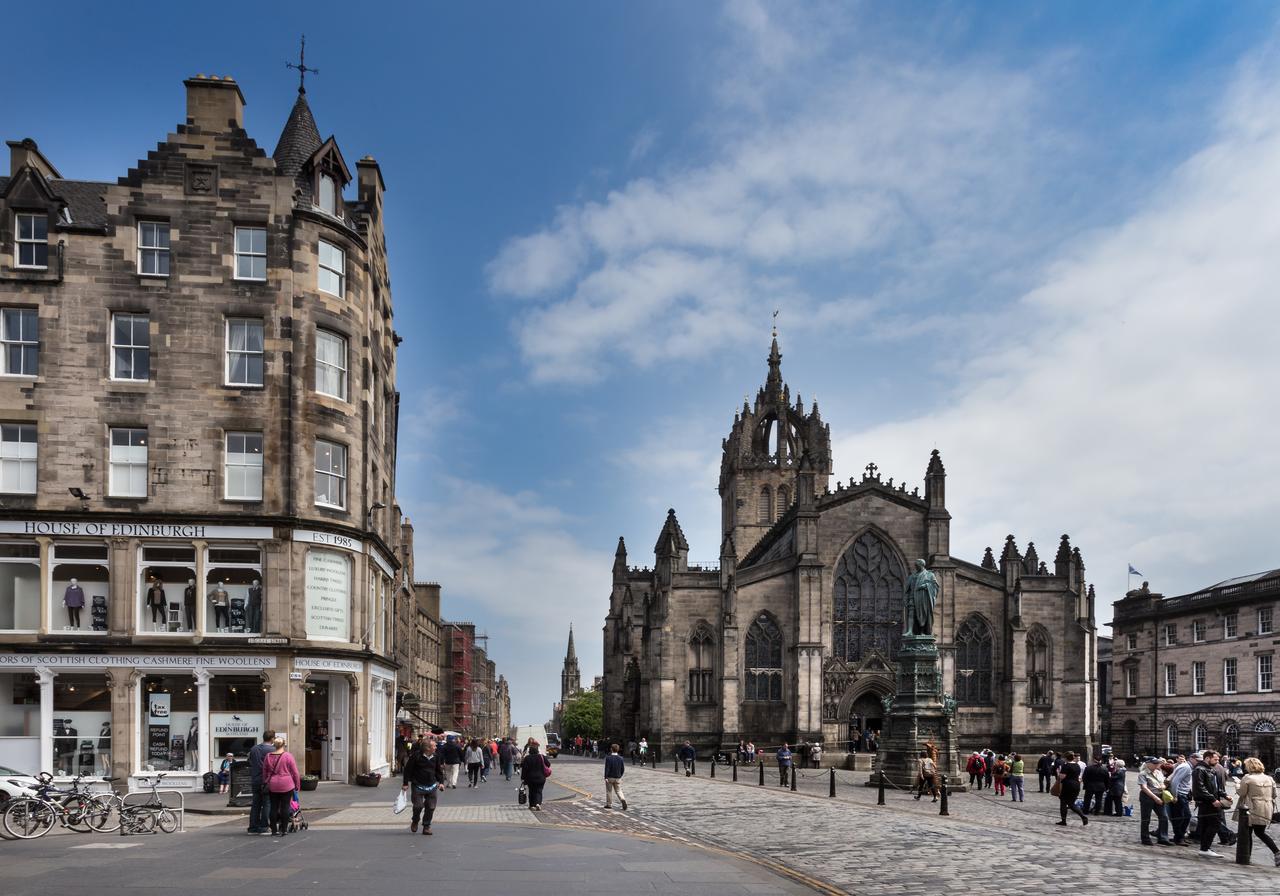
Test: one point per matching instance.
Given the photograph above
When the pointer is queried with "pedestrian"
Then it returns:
(688, 755)
(1226, 836)
(1179, 785)
(1117, 792)
(988, 766)
(644, 750)
(1151, 786)
(474, 757)
(451, 756)
(751, 752)
(281, 779)
(423, 779)
(1211, 800)
(742, 751)
(976, 769)
(1017, 770)
(259, 809)
(1069, 782)
(999, 773)
(1094, 781)
(506, 752)
(224, 772)
(1257, 795)
(1044, 768)
(487, 750)
(614, 769)
(928, 776)
(802, 751)
(815, 754)
(784, 764)
(533, 774)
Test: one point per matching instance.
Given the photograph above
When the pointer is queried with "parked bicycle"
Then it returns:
(28, 818)
(144, 818)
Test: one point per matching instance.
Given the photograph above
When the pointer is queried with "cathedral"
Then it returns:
(793, 636)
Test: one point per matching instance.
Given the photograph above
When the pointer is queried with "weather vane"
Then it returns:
(775, 321)
(302, 67)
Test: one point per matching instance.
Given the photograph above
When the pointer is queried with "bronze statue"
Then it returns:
(921, 598)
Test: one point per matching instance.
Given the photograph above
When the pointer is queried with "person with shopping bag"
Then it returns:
(281, 780)
(423, 780)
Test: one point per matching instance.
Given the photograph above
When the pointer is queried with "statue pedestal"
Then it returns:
(919, 712)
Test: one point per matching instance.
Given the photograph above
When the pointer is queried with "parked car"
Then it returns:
(9, 789)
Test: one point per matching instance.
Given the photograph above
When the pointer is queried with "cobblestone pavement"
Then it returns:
(904, 847)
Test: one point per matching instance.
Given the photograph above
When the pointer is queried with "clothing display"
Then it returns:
(73, 600)
(218, 597)
(98, 613)
(189, 604)
(156, 601)
(254, 607)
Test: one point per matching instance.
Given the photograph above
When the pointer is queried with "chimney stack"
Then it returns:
(23, 153)
(214, 104)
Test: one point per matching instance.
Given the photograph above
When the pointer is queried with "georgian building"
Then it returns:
(1197, 671)
(794, 633)
(198, 418)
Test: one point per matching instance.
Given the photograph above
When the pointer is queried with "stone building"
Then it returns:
(794, 634)
(426, 664)
(198, 415)
(570, 684)
(1197, 671)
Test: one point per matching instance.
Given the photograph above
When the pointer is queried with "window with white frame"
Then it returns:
(1264, 672)
(20, 336)
(244, 351)
(1230, 625)
(1170, 634)
(251, 253)
(331, 474)
(1198, 629)
(328, 194)
(1229, 675)
(1200, 737)
(153, 248)
(243, 466)
(1264, 621)
(1170, 680)
(1131, 682)
(18, 458)
(1197, 677)
(128, 467)
(31, 240)
(130, 346)
(1171, 740)
(333, 270)
(331, 364)
(1132, 640)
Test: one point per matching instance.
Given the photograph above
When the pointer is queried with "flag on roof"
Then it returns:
(1132, 571)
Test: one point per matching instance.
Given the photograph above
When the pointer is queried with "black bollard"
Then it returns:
(713, 766)
(761, 773)
(1244, 840)
(832, 792)
(793, 778)
(943, 809)
(677, 765)
(880, 797)
(735, 768)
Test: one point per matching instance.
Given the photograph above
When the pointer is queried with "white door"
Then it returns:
(339, 696)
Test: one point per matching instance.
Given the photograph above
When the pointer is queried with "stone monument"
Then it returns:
(919, 713)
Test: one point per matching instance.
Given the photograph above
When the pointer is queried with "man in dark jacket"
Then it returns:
(687, 755)
(506, 757)
(614, 769)
(1044, 769)
(258, 823)
(1211, 801)
(451, 756)
(423, 778)
(1095, 782)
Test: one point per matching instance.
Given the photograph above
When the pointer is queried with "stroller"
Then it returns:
(297, 821)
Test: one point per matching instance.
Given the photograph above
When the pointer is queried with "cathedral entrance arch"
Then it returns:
(862, 712)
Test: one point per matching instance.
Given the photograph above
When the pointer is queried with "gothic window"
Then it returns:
(784, 500)
(974, 661)
(869, 582)
(764, 512)
(1038, 658)
(701, 667)
(1231, 739)
(764, 660)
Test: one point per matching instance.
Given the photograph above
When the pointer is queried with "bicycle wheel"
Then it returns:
(104, 813)
(28, 818)
(166, 820)
(137, 820)
(76, 813)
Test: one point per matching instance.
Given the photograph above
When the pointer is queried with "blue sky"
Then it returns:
(1038, 237)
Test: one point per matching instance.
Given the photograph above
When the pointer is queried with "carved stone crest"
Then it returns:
(202, 180)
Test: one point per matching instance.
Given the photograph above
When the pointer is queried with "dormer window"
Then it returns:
(328, 195)
(31, 241)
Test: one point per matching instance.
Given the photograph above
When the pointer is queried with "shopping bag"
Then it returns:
(522, 795)
(401, 803)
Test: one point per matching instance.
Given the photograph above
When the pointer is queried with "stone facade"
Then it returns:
(1197, 671)
(794, 634)
(176, 420)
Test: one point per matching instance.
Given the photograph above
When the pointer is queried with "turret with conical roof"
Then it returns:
(762, 453)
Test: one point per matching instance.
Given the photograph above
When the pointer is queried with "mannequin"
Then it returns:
(255, 607)
(219, 598)
(73, 600)
(189, 604)
(104, 748)
(156, 601)
(193, 743)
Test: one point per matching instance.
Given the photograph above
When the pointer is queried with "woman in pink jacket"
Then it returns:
(280, 779)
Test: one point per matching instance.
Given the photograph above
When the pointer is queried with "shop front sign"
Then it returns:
(327, 664)
(328, 595)
(148, 660)
(236, 724)
(97, 529)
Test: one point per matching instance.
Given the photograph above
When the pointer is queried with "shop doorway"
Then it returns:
(326, 732)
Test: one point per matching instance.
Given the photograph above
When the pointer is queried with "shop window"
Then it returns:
(233, 588)
(170, 724)
(20, 717)
(81, 725)
(168, 595)
(237, 715)
(19, 586)
(80, 587)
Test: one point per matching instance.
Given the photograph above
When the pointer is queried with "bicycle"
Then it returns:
(29, 818)
(144, 818)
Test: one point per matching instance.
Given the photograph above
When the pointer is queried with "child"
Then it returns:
(1000, 772)
(224, 773)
